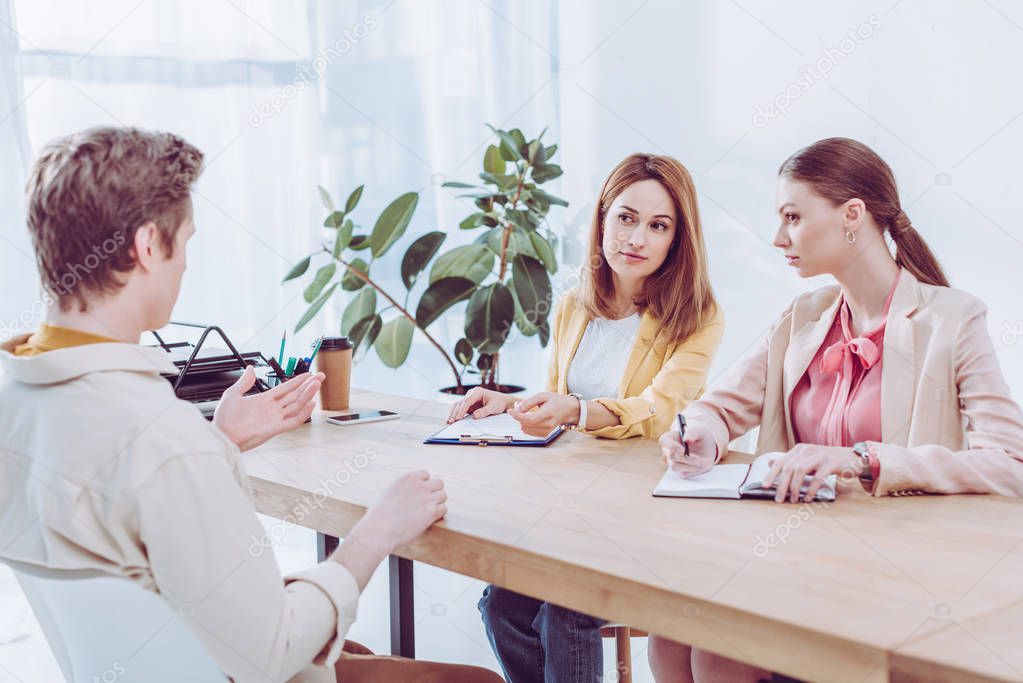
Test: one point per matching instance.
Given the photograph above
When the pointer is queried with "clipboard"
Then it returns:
(498, 432)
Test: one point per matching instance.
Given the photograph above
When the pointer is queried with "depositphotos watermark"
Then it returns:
(27, 319)
(311, 502)
(311, 72)
(811, 74)
(806, 510)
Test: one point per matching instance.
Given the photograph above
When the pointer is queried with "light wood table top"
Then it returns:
(820, 592)
(983, 648)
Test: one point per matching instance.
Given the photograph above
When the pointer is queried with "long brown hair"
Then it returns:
(678, 295)
(840, 169)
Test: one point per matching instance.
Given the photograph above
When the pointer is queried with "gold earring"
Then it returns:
(850, 237)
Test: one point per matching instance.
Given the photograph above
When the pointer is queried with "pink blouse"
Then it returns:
(838, 401)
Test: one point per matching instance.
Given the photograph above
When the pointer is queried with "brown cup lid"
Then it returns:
(335, 344)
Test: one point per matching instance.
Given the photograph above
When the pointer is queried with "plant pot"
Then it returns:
(503, 388)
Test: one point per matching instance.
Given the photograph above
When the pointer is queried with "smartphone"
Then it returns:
(352, 418)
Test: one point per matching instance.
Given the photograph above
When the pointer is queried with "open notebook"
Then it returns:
(734, 481)
(500, 429)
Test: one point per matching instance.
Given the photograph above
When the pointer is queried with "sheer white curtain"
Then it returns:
(17, 266)
(281, 96)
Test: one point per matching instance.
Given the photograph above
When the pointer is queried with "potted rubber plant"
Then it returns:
(513, 258)
(503, 275)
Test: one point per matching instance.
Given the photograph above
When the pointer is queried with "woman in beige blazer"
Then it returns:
(889, 377)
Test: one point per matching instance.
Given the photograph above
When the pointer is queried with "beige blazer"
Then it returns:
(948, 423)
(103, 468)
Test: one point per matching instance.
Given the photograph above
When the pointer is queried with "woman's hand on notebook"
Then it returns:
(789, 470)
(480, 403)
(702, 450)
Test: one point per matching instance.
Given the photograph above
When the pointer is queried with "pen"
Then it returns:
(276, 367)
(291, 365)
(280, 354)
(315, 351)
(682, 433)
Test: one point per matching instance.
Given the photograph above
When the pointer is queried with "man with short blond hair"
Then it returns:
(148, 489)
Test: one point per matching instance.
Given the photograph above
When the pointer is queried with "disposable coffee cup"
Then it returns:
(334, 360)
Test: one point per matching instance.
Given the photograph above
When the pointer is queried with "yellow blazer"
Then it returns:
(660, 378)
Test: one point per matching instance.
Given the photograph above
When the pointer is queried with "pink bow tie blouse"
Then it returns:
(838, 401)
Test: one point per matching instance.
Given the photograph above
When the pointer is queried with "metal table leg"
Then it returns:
(403, 622)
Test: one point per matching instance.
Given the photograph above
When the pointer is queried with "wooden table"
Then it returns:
(862, 589)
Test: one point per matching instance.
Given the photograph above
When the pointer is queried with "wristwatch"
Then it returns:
(868, 460)
(581, 425)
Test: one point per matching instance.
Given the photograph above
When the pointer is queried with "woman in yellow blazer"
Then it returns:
(632, 346)
(644, 307)
(888, 378)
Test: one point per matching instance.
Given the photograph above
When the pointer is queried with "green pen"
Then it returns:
(315, 351)
(290, 370)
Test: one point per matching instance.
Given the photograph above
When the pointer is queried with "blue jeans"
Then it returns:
(536, 641)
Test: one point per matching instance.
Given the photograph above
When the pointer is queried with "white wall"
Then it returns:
(934, 89)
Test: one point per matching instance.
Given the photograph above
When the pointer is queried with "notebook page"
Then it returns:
(493, 427)
(722, 481)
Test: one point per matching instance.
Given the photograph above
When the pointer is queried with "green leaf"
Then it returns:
(394, 341)
(334, 219)
(454, 183)
(471, 261)
(521, 321)
(391, 224)
(418, 255)
(344, 238)
(521, 218)
(323, 276)
(492, 160)
(535, 152)
(440, 296)
(544, 172)
(351, 282)
(463, 351)
(532, 288)
(363, 305)
(503, 182)
(489, 317)
(359, 242)
(471, 221)
(509, 149)
(551, 199)
(364, 332)
(315, 307)
(549, 151)
(544, 251)
(545, 333)
(297, 270)
(518, 243)
(353, 199)
(328, 203)
(520, 141)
